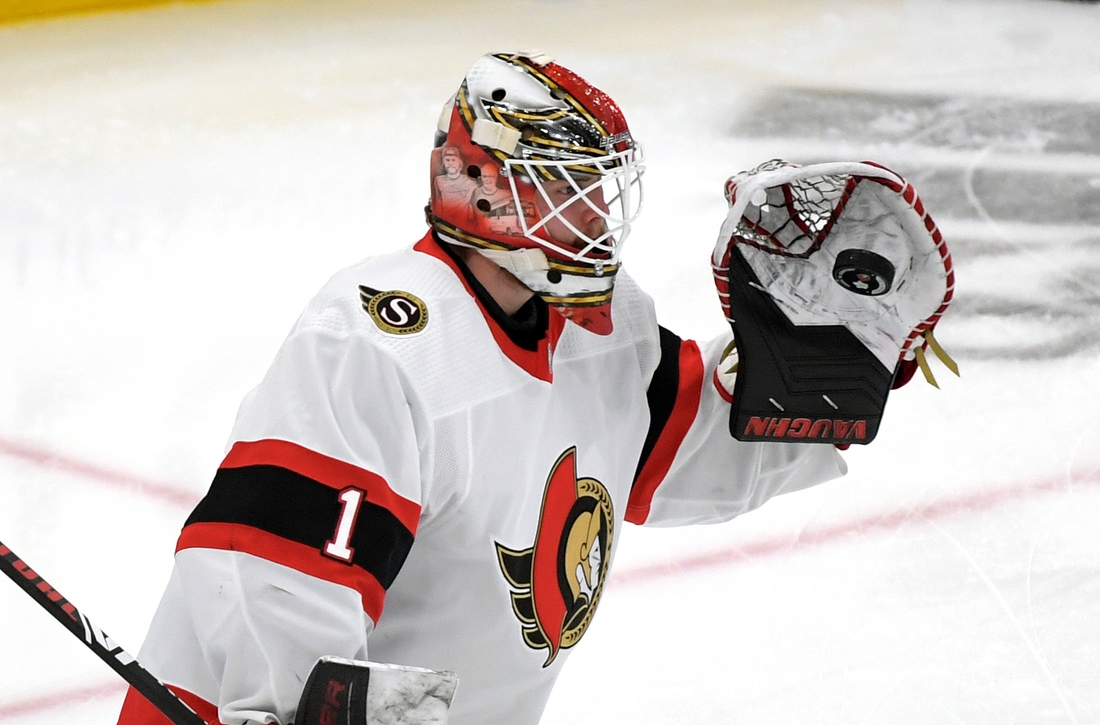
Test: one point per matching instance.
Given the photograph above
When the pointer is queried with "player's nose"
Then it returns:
(598, 200)
(595, 207)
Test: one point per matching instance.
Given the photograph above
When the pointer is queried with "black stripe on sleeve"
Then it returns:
(661, 395)
(294, 507)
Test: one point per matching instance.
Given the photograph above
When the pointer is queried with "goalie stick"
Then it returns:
(97, 640)
(336, 691)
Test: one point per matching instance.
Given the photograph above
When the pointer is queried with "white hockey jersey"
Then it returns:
(409, 485)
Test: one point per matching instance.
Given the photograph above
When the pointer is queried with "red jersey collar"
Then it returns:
(535, 362)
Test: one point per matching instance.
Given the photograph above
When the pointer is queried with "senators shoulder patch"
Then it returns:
(395, 312)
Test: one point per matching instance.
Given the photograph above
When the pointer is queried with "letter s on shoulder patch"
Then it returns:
(395, 312)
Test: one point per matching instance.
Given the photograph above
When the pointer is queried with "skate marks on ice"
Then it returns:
(958, 123)
(1014, 185)
(1028, 300)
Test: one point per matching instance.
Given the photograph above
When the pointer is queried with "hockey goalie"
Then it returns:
(435, 471)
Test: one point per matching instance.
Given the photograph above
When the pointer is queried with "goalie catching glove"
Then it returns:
(832, 277)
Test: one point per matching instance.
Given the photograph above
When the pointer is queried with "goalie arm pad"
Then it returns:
(694, 472)
(239, 634)
(264, 581)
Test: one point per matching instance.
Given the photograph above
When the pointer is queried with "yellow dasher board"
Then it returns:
(20, 11)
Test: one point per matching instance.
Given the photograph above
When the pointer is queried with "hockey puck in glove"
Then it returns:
(863, 272)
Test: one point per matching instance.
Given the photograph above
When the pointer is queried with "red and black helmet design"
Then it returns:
(536, 168)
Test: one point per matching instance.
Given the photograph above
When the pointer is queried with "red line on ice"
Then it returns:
(118, 479)
(75, 696)
(969, 503)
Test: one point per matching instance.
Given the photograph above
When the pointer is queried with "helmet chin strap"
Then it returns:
(517, 261)
(530, 266)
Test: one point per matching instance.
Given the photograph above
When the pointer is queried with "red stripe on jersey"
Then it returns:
(534, 362)
(328, 471)
(688, 395)
(291, 554)
(136, 710)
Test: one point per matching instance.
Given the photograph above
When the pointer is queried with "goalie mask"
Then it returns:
(536, 169)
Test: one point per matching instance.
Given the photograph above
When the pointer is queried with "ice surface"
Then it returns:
(175, 183)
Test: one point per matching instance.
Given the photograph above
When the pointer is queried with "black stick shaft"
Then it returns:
(97, 640)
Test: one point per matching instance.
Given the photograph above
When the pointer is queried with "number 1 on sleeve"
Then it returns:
(337, 547)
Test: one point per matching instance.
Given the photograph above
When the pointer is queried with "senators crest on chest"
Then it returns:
(556, 583)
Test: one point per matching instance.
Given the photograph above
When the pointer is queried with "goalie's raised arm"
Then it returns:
(833, 277)
(695, 473)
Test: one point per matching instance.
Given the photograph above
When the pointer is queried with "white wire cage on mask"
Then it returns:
(610, 187)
